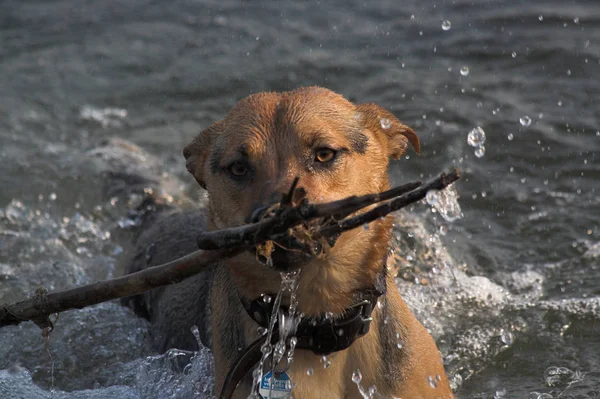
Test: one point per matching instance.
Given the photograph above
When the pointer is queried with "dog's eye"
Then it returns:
(325, 155)
(238, 169)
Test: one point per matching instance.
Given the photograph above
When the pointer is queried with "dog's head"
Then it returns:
(248, 160)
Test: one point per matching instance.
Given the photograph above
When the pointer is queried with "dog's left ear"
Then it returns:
(383, 122)
(197, 150)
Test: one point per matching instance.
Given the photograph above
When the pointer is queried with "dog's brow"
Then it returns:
(215, 160)
(243, 150)
(358, 142)
(318, 139)
(217, 157)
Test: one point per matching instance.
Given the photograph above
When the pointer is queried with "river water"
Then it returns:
(510, 291)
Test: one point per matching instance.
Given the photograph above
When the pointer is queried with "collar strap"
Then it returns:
(325, 334)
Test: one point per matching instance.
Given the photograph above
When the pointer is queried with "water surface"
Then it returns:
(522, 320)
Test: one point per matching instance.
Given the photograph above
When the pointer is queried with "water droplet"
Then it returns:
(464, 70)
(356, 376)
(513, 54)
(541, 17)
(431, 197)
(446, 25)
(267, 298)
(456, 382)
(266, 349)
(52, 197)
(445, 202)
(476, 137)
(385, 123)
(310, 372)
(480, 151)
(372, 391)
(576, 20)
(196, 333)
(500, 394)
(432, 382)
(525, 121)
(399, 345)
(506, 337)
(510, 137)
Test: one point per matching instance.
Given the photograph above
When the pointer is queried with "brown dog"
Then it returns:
(246, 162)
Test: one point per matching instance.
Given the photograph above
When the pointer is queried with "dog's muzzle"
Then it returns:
(287, 255)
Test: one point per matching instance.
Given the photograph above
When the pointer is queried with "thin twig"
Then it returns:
(293, 216)
(439, 183)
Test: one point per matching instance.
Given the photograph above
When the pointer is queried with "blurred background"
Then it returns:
(506, 90)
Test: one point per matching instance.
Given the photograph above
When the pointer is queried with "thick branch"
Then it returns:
(40, 307)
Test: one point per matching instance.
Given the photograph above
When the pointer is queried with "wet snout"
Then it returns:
(260, 208)
(286, 254)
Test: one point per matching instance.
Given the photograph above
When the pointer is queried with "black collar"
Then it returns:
(326, 334)
(322, 335)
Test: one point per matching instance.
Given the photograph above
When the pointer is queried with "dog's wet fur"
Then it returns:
(246, 162)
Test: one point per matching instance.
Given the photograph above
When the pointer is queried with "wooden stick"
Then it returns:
(223, 244)
(42, 305)
(439, 183)
(290, 217)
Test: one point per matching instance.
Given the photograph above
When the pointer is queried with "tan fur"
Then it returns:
(279, 131)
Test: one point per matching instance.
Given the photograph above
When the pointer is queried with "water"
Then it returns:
(510, 291)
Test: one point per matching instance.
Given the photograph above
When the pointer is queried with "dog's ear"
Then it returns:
(197, 150)
(383, 122)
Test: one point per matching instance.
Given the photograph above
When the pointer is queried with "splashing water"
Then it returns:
(476, 137)
(445, 202)
(366, 394)
(106, 117)
(288, 324)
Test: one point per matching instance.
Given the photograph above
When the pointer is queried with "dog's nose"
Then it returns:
(257, 214)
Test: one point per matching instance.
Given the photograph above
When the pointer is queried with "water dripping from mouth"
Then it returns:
(288, 322)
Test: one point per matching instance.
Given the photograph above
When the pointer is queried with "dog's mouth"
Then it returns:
(286, 255)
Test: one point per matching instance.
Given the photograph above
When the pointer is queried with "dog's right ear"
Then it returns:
(197, 150)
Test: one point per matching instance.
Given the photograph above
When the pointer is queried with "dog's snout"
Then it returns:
(258, 213)
(261, 207)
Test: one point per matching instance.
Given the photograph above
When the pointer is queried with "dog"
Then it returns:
(246, 162)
